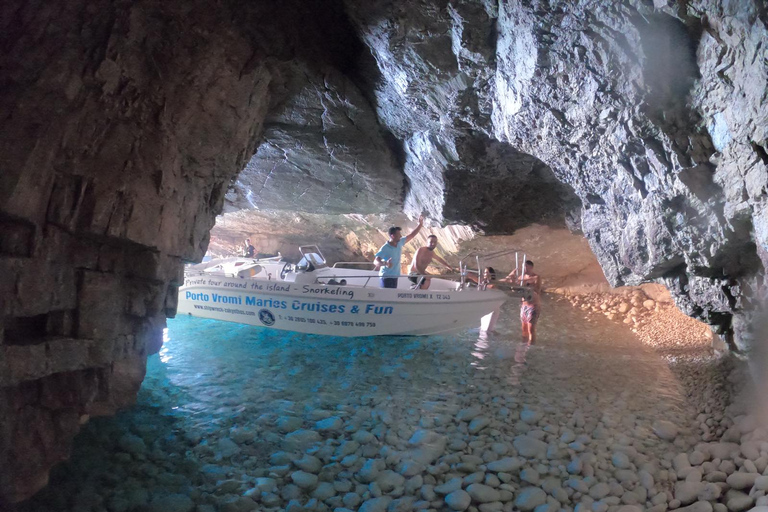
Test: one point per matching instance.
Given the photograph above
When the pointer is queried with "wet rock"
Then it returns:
(477, 424)
(722, 450)
(458, 500)
(308, 463)
(226, 448)
(304, 480)
(740, 480)
(375, 504)
(323, 491)
(332, 424)
(699, 506)
(599, 490)
(362, 437)
(351, 500)
(738, 502)
(687, 492)
(506, 465)
(482, 493)
(448, 487)
(665, 429)
(529, 447)
(238, 504)
(300, 440)
(711, 492)
(171, 503)
(370, 470)
(531, 416)
(697, 458)
(620, 460)
(530, 475)
(132, 444)
(389, 480)
(630, 508)
(469, 413)
(529, 498)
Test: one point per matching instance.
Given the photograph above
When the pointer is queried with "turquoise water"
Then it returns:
(220, 369)
(219, 400)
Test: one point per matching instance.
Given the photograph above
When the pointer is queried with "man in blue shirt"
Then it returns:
(388, 257)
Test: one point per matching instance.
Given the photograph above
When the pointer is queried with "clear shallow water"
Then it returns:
(214, 380)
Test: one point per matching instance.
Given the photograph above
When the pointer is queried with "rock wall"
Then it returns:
(123, 127)
(351, 237)
(322, 152)
(653, 114)
(629, 106)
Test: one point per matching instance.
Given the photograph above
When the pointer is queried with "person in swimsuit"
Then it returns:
(421, 260)
(529, 310)
(486, 281)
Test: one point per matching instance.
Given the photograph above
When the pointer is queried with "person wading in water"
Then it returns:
(529, 310)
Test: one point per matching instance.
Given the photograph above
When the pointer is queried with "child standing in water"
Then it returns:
(529, 310)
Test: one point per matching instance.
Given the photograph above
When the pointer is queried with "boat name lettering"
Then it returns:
(373, 309)
(214, 297)
(414, 295)
(226, 299)
(197, 296)
(317, 307)
(266, 303)
(329, 291)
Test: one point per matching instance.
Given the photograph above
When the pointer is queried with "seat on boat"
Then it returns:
(250, 271)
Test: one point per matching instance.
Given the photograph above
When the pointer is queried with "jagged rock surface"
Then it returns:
(125, 125)
(652, 114)
(322, 152)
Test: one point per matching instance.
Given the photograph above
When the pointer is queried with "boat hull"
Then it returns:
(335, 310)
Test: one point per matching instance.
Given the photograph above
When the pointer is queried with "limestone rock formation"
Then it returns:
(322, 152)
(125, 126)
(652, 114)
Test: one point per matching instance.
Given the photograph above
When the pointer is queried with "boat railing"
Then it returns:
(336, 265)
(343, 280)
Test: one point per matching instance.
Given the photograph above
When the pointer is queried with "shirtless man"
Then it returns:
(529, 311)
(421, 260)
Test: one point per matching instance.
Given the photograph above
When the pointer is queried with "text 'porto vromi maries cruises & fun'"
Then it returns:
(312, 297)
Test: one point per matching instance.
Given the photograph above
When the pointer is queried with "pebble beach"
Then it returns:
(600, 415)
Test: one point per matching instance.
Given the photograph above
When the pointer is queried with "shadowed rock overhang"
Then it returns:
(126, 128)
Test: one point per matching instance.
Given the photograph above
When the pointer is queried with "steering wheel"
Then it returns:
(286, 269)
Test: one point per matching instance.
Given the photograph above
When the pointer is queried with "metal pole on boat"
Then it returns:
(522, 270)
(477, 259)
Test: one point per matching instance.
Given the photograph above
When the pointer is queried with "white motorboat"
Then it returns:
(311, 297)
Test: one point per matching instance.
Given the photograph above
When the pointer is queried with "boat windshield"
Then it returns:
(311, 261)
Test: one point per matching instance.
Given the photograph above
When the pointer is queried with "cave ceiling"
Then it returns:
(639, 125)
(128, 127)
